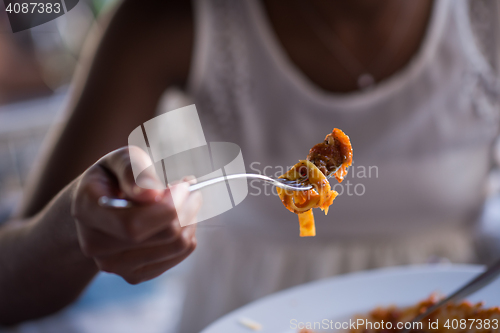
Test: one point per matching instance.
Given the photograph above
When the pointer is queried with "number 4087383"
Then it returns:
(34, 7)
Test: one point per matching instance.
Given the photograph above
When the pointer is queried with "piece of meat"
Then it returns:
(332, 156)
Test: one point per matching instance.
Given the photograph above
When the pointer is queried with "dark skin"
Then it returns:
(364, 27)
(61, 238)
(131, 58)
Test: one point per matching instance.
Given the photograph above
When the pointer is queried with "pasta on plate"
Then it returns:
(452, 318)
(462, 317)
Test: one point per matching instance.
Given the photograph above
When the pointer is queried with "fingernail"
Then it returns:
(189, 233)
(180, 190)
(186, 235)
(151, 183)
(197, 197)
(189, 179)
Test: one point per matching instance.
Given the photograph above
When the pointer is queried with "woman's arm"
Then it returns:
(41, 264)
(145, 48)
(47, 260)
(49, 253)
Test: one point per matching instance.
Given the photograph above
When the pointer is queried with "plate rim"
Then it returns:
(377, 272)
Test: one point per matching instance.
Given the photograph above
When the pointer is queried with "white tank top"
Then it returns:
(429, 130)
(422, 139)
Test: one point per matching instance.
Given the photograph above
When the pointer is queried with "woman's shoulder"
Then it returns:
(158, 34)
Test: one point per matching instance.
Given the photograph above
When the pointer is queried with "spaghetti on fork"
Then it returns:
(332, 157)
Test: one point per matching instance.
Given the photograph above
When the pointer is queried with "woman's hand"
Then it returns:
(137, 243)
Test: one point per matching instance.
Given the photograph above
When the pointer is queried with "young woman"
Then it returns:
(406, 80)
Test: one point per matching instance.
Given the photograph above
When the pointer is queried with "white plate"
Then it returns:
(340, 298)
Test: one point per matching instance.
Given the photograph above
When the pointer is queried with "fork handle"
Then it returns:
(105, 201)
(479, 282)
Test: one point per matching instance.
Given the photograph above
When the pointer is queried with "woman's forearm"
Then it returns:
(42, 268)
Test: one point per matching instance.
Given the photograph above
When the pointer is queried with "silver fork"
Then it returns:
(278, 182)
(479, 282)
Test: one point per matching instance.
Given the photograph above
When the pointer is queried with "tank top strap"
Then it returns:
(217, 78)
(485, 24)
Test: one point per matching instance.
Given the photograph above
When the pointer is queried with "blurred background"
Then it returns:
(36, 68)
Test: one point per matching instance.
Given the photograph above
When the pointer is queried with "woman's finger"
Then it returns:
(119, 163)
(95, 243)
(131, 260)
(149, 272)
(187, 214)
(134, 224)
